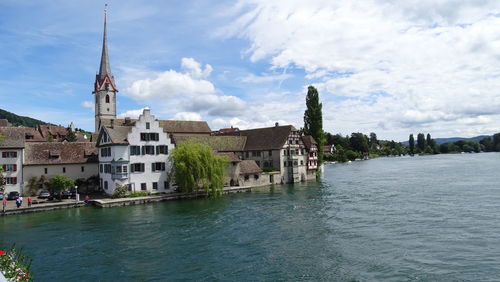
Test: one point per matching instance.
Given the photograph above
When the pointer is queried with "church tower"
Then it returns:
(104, 87)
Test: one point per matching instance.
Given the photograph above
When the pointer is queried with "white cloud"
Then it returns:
(171, 83)
(88, 104)
(131, 113)
(194, 69)
(386, 66)
(187, 116)
(252, 78)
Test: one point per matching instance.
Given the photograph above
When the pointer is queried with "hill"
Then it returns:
(16, 120)
(454, 139)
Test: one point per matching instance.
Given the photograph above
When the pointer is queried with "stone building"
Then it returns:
(77, 160)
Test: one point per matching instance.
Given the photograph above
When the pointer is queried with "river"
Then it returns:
(430, 218)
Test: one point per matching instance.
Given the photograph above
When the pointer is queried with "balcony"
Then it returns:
(119, 175)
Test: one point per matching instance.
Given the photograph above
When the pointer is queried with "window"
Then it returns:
(124, 169)
(100, 168)
(45, 170)
(166, 185)
(246, 155)
(100, 182)
(130, 187)
(160, 166)
(256, 154)
(105, 185)
(256, 176)
(9, 167)
(270, 153)
(135, 150)
(107, 168)
(247, 177)
(295, 163)
(105, 152)
(64, 170)
(137, 167)
(301, 162)
(150, 136)
(118, 169)
(162, 149)
(9, 154)
(107, 98)
(10, 180)
(83, 169)
(147, 125)
(144, 186)
(155, 185)
(284, 164)
(148, 150)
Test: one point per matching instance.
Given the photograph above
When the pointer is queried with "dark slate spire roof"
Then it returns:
(105, 76)
(105, 68)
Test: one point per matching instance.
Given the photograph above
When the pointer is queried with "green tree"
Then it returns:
(70, 135)
(421, 142)
(411, 143)
(313, 120)
(60, 182)
(373, 140)
(359, 142)
(196, 167)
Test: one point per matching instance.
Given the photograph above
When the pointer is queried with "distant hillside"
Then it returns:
(16, 120)
(454, 139)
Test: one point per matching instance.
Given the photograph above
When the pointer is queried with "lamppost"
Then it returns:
(77, 197)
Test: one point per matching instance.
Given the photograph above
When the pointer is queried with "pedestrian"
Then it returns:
(18, 202)
(29, 201)
(21, 200)
(86, 199)
(4, 203)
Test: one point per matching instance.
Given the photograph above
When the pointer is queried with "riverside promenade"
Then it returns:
(40, 206)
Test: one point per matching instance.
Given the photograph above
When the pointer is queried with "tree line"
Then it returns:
(427, 145)
(361, 146)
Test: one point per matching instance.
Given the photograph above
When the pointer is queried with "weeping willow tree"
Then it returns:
(195, 167)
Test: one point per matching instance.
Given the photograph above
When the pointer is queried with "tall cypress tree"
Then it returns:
(411, 142)
(313, 119)
(421, 142)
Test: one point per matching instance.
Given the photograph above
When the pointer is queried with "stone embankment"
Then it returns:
(107, 203)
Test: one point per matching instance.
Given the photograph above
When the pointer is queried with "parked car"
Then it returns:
(1, 195)
(13, 195)
(44, 194)
(65, 194)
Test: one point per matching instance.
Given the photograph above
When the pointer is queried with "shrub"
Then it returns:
(14, 265)
(120, 191)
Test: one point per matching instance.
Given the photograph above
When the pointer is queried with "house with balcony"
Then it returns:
(136, 152)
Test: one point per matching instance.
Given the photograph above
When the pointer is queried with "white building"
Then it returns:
(11, 158)
(136, 152)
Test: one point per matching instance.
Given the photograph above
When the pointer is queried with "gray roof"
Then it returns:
(117, 134)
(249, 167)
(268, 138)
(169, 126)
(60, 153)
(216, 143)
(12, 137)
(105, 68)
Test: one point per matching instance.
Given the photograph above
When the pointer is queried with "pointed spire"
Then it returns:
(105, 68)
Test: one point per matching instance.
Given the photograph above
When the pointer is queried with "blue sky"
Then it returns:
(380, 66)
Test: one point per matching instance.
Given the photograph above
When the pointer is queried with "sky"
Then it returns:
(389, 67)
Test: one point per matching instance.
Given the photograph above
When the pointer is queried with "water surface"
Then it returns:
(389, 219)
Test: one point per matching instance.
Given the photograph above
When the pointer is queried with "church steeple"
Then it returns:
(105, 68)
(104, 87)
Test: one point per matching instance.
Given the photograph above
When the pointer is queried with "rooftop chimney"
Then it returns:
(276, 124)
